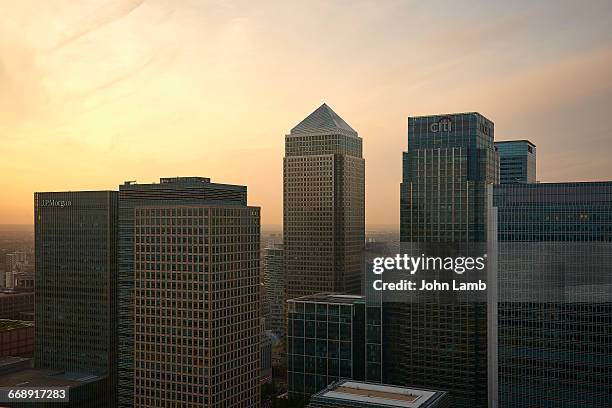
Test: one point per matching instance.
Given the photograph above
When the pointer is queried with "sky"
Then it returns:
(93, 93)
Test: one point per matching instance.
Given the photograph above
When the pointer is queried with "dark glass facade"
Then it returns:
(517, 161)
(325, 341)
(555, 283)
(448, 171)
(76, 272)
(170, 191)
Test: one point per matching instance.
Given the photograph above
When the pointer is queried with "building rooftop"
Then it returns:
(6, 324)
(41, 377)
(515, 141)
(379, 395)
(330, 298)
(12, 292)
(321, 120)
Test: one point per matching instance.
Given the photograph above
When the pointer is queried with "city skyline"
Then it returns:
(134, 90)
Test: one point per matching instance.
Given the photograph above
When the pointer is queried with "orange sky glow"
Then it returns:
(97, 92)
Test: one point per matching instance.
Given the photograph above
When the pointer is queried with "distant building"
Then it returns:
(19, 266)
(76, 274)
(24, 281)
(16, 305)
(325, 341)
(555, 291)
(16, 338)
(15, 259)
(324, 206)
(517, 161)
(356, 394)
(274, 284)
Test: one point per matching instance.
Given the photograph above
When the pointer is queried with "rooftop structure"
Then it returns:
(347, 393)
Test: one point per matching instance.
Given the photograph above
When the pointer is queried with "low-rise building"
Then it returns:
(349, 394)
(325, 341)
(16, 338)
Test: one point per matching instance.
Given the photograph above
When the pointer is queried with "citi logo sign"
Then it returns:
(443, 125)
(55, 203)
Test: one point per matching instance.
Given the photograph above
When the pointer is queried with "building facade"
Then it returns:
(325, 341)
(517, 161)
(197, 329)
(76, 272)
(445, 199)
(274, 283)
(324, 206)
(188, 247)
(555, 283)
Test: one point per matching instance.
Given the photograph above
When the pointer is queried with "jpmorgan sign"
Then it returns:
(442, 125)
(54, 203)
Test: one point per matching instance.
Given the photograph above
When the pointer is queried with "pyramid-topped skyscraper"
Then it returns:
(324, 206)
(322, 119)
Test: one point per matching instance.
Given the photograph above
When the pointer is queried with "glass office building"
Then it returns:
(75, 297)
(445, 200)
(325, 341)
(555, 290)
(517, 161)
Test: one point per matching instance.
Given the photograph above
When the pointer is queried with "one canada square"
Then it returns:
(324, 206)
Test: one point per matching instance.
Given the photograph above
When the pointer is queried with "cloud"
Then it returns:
(102, 16)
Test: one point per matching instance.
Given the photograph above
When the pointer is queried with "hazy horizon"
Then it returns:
(97, 93)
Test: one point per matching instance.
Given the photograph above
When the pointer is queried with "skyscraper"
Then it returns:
(196, 306)
(191, 224)
(274, 282)
(445, 199)
(324, 206)
(517, 161)
(76, 272)
(555, 289)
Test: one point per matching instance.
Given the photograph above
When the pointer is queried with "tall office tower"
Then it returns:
(188, 294)
(76, 272)
(445, 201)
(324, 206)
(274, 282)
(325, 341)
(555, 289)
(517, 161)
(197, 329)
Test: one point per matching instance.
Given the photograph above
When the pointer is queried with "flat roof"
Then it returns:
(8, 293)
(42, 377)
(382, 395)
(6, 324)
(330, 298)
(515, 141)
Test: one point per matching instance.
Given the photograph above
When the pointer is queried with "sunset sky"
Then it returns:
(93, 93)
